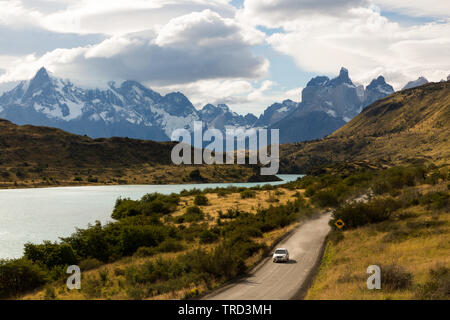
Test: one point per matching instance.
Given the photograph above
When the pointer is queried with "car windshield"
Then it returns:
(280, 251)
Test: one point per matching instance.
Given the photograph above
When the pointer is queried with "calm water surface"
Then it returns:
(35, 215)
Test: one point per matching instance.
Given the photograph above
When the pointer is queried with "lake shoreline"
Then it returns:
(38, 214)
(92, 184)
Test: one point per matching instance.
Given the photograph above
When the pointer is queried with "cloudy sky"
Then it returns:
(246, 53)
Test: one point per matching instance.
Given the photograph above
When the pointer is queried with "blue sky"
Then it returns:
(246, 53)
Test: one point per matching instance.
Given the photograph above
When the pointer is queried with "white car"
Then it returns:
(280, 255)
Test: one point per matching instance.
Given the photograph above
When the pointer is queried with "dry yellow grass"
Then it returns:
(234, 200)
(342, 274)
(115, 277)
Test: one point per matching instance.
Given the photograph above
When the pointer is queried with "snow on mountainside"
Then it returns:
(416, 83)
(133, 110)
(377, 90)
(221, 117)
(327, 104)
(276, 112)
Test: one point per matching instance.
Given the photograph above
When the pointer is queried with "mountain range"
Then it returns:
(133, 110)
(409, 126)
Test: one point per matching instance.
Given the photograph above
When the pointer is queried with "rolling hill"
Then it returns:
(408, 126)
(33, 156)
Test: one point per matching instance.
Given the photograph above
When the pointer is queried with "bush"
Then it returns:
(394, 277)
(170, 245)
(201, 200)
(50, 293)
(18, 276)
(145, 252)
(435, 200)
(92, 287)
(246, 194)
(208, 237)
(119, 239)
(193, 214)
(325, 198)
(359, 214)
(195, 175)
(437, 287)
(149, 205)
(89, 264)
(50, 254)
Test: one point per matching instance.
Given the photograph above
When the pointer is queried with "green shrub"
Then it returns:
(193, 214)
(145, 252)
(18, 276)
(92, 287)
(170, 245)
(207, 236)
(115, 240)
(195, 175)
(50, 254)
(437, 286)
(325, 198)
(89, 264)
(246, 194)
(359, 214)
(435, 200)
(394, 277)
(50, 293)
(223, 194)
(150, 204)
(201, 200)
(125, 208)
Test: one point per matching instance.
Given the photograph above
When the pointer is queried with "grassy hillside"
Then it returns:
(409, 126)
(161, 247)
(404, 229)
(33, 156)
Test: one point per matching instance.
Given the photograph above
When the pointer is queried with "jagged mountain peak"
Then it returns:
(379, 80)
(324, 81)
(41, 75)
(416, 83)
(134, 110)
(377, 89)
(343, 78)
(380, 83)
(319, 81)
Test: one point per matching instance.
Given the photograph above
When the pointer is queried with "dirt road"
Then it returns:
(282, 281)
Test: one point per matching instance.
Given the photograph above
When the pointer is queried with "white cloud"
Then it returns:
(242, 96)
(207, 46)
(112, 17)
(432, 8)
(278, 13)
(359, 38)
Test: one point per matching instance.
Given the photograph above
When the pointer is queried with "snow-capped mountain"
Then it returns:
(377, 90)
(275, 113)
(327, 104)
(221, 117)
(133, 110)
(338, 97)
(130, 109)
(416, 83)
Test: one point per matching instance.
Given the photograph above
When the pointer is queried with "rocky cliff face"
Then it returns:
(327, 104)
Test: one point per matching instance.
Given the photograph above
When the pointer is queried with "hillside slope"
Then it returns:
(407, 126)
(33, 156)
